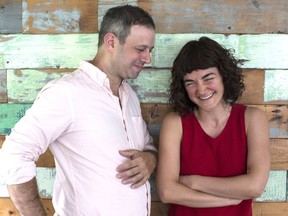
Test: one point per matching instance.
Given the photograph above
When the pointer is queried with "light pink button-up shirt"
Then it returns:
(83, 124)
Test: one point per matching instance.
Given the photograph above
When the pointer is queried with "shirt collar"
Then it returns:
(96, 74)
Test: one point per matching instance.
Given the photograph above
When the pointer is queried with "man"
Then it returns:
(91, 121)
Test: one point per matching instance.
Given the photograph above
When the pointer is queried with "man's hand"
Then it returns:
(137, 170)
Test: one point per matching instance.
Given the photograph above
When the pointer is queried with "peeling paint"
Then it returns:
(61, 20)
(276, 85)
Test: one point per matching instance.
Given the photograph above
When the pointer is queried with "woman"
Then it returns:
(214, 155)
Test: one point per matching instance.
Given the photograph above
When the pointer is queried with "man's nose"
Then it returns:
(146, 57)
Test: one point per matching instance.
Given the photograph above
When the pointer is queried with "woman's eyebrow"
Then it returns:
(209, 74)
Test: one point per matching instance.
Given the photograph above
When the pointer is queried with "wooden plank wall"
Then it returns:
(41, 40)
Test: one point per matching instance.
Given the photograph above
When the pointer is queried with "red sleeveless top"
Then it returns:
(223, 156)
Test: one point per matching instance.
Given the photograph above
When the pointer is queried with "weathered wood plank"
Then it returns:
(24, 85)
(45, 180)
(277, 116)
(10, 115)
(10, 16)
(275, 189)
(262, 87)
(104, 5)
(266, 51)
(279, 153)
(157, 208)
(270, 209)
(153, 114)
(250, 47)
(58, 16)
(276, 88)
(257, 51)
(222, 16)
(81, 16)
(3, 86)
(48, 51)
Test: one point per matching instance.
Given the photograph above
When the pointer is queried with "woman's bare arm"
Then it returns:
(170, 189)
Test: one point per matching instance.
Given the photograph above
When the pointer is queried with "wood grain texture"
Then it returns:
(157, 208)
(53, 44)
(3, 86)
(222, 16)
(262, 51)
(279, 153)
(270, 209)
(275, 189)
(48, 51)
(58, 16)
(277, 116)
(10, 16)
(262, 87)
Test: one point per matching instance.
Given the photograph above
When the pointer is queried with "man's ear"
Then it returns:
(109, 40)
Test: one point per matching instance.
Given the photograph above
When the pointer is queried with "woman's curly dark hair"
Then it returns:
(203, 54)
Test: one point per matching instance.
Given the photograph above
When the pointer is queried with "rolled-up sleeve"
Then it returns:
(43, 123)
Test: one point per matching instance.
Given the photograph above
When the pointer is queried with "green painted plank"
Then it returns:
(49, 51)
(24, 85)
(10, 16)
(10, 115)
(266, 51)
(275, 189)
(276, 85)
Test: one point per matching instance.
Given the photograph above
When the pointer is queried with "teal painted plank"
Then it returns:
(266, 51)
(10, 115)
(276, 187)
(49, 51)
(276, 85)
(24, 85)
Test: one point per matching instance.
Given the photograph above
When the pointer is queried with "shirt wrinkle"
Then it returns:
(87, 152)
